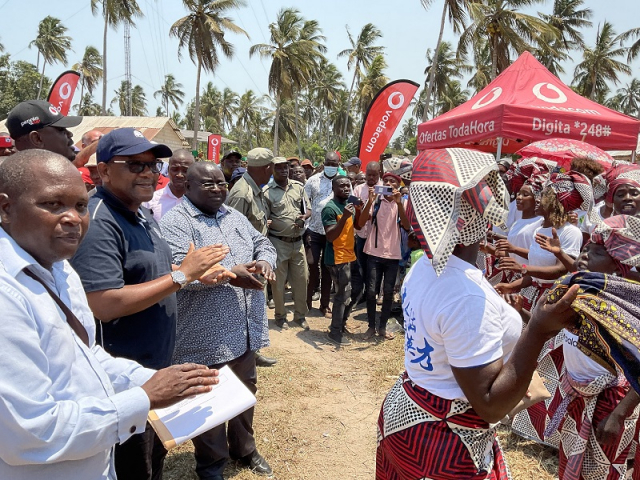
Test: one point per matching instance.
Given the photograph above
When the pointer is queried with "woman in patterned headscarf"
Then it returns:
(598, 406)
(618, 190)
(468, 361)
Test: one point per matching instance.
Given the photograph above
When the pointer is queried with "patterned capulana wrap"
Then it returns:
(620, 236)
(525, 168)
(620, 173)
(455, 194)
(609, 327)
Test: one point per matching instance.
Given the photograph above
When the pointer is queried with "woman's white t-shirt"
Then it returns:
(513, 216)
(456, 319)
(521, 235)
(570, 241)
(579, 366)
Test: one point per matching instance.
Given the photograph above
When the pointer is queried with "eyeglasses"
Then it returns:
(138, 167)
(214, 185)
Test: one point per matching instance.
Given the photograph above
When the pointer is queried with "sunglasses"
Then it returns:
(138, 167)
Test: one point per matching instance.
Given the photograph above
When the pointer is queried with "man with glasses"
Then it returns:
(223, 324)
(37, 124)
(125, 267)
(168, 197)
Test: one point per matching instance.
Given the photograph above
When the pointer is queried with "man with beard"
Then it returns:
(168, 197)
(229, 163)
(37, 124)
(223, 324)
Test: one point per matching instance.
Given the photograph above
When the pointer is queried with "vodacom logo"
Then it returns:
(394, 105)
(560, 96)
(494, 93)
(65, 90)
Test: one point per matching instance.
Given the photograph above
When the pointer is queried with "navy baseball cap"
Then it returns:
(32, 115)
(126, 142)
(353, 161)
(237, 173)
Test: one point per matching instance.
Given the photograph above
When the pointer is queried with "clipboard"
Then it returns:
(195, 415)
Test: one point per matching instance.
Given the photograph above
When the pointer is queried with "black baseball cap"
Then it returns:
(128, 141)
(32, 115)
(234, 153)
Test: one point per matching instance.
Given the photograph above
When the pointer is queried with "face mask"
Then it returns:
(330, 171)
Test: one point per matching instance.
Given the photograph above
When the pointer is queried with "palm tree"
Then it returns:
(138, 107)
(210, 107)
(360, 56)
(441, 69)
(453, 96)
(326, 87)
(90, 71)
(372, 83)
(295, 51)
(568, 18)
(52, 44)
(114, 12)
(341, 117)
(87, 107)
(407, 131)
(507, 30)
(627, 99)
(170, 93)
(481, 70)
(599, 64)
(456, 11)
(248, 108)
(202, 33)
(228, 107)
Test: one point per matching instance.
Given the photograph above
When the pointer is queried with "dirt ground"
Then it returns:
(317, 409)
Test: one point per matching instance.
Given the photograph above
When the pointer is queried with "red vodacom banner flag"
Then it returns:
(383, 117)
(213, 147)
(62, 91)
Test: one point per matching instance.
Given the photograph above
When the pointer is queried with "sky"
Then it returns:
(408, 31)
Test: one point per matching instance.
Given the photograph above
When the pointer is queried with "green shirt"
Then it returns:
(342, 250)
(246, 197)
(284, 205)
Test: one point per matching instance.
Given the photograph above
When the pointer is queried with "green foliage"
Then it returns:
(18, 82)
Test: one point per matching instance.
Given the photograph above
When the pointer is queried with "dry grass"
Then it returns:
(317, 411)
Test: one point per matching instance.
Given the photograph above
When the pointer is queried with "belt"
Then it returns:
(286, 239)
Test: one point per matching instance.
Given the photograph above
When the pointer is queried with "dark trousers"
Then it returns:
(141, 457)
(235, 440)
(314, 245)
(341, 276)
(379, 268)
(359, 272)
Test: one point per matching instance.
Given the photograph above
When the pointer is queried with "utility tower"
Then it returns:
(127, 64)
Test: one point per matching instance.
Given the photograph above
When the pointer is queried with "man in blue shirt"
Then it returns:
(126, 270)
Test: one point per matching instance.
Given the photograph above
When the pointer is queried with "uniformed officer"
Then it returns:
(289, 207)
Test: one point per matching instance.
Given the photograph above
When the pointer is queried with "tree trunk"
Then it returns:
(297, 127)
(346, 114)
(44, 64)
(434, 65)
(104, 59)
(81, 95)
(494, 57)
(276, 126)
(196, 109)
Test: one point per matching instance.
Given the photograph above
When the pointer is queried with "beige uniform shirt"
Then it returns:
(246, 197)
(284, 206)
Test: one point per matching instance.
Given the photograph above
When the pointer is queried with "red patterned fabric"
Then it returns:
(620, 236)
(525, 168)
(421, 435)
(582, 457)
(573, 190)
(621, 173)
(455, 194)
(563, 150)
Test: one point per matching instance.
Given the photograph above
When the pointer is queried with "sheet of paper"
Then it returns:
(195, 415)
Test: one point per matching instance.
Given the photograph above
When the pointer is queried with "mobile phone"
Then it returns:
(383, 190)
(357, 201)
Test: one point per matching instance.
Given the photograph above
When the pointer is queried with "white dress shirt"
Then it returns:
(163, 200)
(63, 405)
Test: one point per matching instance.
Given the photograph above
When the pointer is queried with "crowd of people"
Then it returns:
(127, 282)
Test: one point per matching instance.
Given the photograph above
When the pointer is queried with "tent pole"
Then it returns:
(499, 152)
(633, 156)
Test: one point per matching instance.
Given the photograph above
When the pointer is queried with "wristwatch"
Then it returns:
(179, 278)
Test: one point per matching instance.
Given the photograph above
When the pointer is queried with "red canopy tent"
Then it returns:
(526, 103)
